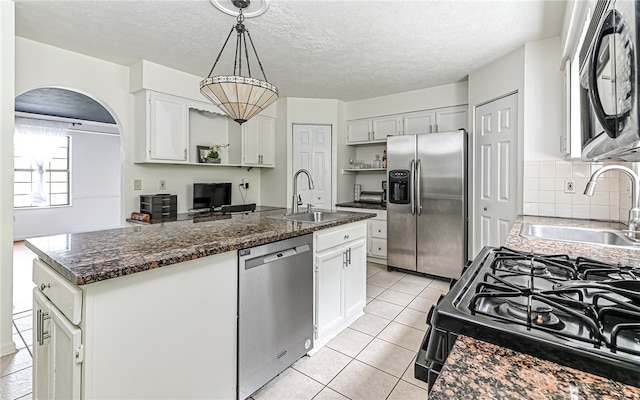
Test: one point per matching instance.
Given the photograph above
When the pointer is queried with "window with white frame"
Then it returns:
(41, 163)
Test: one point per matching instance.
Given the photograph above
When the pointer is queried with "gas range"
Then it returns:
(576, 312)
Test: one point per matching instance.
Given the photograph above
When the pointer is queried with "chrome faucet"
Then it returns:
(634, 212)
(297, 200)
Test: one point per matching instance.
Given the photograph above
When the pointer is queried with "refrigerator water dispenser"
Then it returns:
(399, 186)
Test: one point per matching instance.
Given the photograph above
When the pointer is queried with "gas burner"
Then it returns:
(536, 268)
(541, 314)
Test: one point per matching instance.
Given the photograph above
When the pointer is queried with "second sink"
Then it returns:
(576, 234)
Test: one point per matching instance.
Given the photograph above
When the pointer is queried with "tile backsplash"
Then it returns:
(545, 191)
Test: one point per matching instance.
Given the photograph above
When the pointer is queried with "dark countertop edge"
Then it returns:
(237, 244)
(370, 206)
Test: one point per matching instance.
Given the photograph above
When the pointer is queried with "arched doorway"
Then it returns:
(67, 176)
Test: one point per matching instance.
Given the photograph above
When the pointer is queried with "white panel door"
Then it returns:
(312, 151)
(496, 203)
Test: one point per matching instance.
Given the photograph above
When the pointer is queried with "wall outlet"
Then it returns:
(569, 186)
(137, 184)
(163, 184)
(245, 183)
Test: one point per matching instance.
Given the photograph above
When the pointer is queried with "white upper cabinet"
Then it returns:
(385, 126)
(451, 119)
(359, 131)
(418, 122)
(162, 128)
(258, 141)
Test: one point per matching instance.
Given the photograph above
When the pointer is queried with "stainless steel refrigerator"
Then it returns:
(427, 203)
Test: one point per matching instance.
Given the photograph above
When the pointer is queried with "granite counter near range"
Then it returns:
(84, 258)
(481, 370)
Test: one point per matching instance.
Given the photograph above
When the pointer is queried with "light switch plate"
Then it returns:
(137, 184)
(163, 184)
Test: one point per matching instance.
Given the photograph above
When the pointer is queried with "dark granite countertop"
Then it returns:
(370, 206)
(481, 370)
(89, 257)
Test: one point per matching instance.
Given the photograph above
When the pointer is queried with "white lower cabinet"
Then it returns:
(376, 233)
(57, 352)
(169, 332)
(340, 278)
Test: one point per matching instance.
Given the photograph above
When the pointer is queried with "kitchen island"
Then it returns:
(151, 311)
(478, 369)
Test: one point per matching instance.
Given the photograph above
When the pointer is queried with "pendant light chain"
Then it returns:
(257, 58)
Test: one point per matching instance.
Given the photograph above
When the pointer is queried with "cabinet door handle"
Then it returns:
(344, 259)
(349, 256)
(41, 334)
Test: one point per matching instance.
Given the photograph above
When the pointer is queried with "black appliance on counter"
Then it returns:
(211, 195)
(581, 313)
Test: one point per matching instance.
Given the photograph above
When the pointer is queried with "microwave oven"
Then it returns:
(609, 83)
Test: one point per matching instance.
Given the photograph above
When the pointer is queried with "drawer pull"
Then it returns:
(43, 286)
(346, 237)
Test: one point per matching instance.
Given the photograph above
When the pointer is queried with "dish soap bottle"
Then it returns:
(384, 158)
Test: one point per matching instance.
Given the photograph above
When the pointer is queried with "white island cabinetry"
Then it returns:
(169, 332)
(340, 278)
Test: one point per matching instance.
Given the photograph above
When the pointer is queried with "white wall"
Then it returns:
(7, 106)
(95, 191)
(422, 99)
(543, 100)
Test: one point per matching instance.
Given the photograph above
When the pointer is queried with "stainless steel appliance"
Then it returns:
(576, 312)
(427, 203)
(371, 197)
(609, 82)
(275, 309)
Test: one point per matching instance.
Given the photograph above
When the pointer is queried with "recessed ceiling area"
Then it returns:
(62, 103)
(335, 49)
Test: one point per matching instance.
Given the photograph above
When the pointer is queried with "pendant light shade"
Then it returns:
(240, 97)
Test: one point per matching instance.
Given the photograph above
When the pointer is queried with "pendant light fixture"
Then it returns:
(240, 97)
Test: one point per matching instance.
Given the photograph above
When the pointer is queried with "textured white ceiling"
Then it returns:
(342, 49)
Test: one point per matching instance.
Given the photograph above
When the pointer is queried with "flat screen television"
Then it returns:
(211, 195)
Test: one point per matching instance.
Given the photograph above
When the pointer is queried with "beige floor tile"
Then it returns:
(17, 361)
(417, 280)
(386, 356)
(17, 339)
(408, 288)
(395, 297)
(404, 391)
(383, 309)
(432, 293)
(17, 384)
(290, 384)
(402, 335)
(322, 366)
(440, 284)
(374, 291)
(329, 394)
(23, 323)
(384, 281)
(369, 299)
(409, 376)
(350, 342)
(373, 269)
(413, 318)
(360, 381)
(370, 324)
(421, 304)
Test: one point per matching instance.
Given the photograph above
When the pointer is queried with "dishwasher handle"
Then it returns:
(276, 256)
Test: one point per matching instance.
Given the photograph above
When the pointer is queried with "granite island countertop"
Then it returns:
(370, 206)
(84, 258)
(481, 370)
(502, 373)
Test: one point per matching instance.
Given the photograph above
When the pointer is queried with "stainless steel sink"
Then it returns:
(577, 235)
(315, 217)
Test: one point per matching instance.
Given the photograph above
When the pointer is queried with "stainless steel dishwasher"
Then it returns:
(275, 309)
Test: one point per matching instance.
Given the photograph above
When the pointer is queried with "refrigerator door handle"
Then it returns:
(418, 190)
(412, 191)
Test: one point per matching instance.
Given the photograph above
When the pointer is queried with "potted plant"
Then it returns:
(213, 156)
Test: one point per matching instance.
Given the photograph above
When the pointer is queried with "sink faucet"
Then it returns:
(297, 200)
(634, 212)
